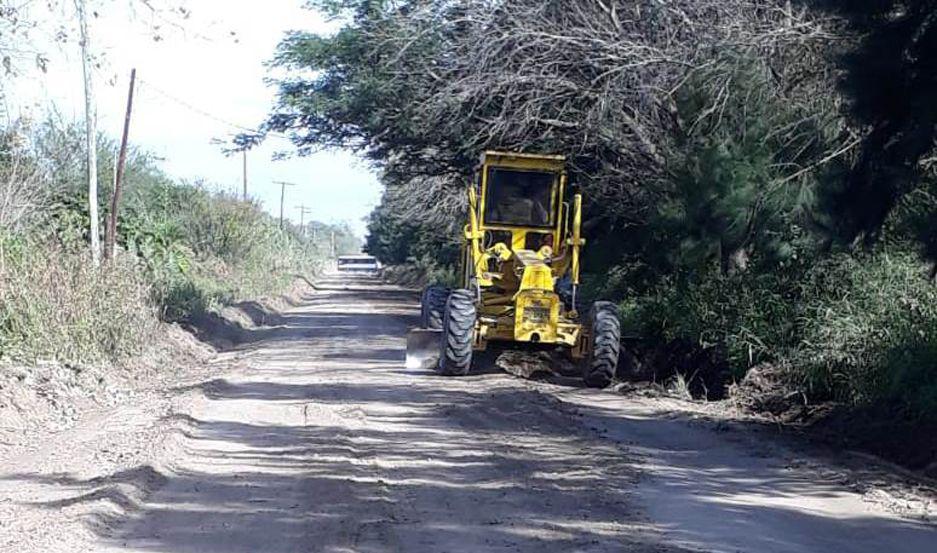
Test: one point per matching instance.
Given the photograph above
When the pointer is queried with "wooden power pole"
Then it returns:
(244, 192)
(110, 240)
(303, 210)
(91, 132)
(283, 186)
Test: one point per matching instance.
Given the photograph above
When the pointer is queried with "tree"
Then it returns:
(18, 20)
(422, 87)
(91, 133)
(733, 193)
(890, 82)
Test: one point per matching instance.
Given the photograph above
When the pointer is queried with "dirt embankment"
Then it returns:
(232, 324)
(52, 397)
(886, 431)
(777, 396)
(82, 447)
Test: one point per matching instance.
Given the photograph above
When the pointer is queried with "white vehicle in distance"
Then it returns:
(359, 263)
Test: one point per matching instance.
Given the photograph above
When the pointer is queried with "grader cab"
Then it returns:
(520, 275)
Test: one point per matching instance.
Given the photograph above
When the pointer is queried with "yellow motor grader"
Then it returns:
(520, 275)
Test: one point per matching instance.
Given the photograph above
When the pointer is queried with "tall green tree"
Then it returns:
(422, 87)
(890, 82)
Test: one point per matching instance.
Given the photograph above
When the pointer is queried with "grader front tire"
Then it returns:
(604, 345)
(458, 334)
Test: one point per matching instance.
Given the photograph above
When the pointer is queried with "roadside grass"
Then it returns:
(183, 250)
(55, 306)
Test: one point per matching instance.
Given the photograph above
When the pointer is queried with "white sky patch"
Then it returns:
(197, 84)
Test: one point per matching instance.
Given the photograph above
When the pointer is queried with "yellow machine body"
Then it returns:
(521, 240)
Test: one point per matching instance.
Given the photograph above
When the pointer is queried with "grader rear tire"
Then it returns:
(604, 345)
(458, 334)
(432, 306)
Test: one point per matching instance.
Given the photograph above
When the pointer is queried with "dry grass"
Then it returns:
(186, 251)
(23, 190)
(55, 306)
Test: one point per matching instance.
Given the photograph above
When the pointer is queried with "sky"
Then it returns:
(200, 82)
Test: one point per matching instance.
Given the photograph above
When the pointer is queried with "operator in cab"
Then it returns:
(520, 198)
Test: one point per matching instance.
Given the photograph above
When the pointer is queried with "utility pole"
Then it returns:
(283, 186)
(332, 240)
(244, 193)
(91, 131)
(303, 210)
(110, 241)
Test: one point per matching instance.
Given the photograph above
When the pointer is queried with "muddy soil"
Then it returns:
(312, 436)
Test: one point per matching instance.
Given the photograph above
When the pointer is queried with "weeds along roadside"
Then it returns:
(183, 251)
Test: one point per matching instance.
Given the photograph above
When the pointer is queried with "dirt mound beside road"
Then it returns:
(52, 397)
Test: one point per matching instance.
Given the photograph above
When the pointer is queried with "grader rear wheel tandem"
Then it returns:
(458, 334)
(520, 275)
(432, 306)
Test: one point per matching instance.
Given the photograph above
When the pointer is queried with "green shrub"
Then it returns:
(437, 273)
(869, 331)
(747, 318)
(858, 328)
(55, 306)
(204, 249)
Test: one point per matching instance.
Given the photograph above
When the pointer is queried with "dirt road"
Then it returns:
(315, 438)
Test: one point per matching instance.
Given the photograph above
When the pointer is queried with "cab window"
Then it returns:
(519, 198)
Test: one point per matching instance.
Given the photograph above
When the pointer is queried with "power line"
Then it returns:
(207, 114)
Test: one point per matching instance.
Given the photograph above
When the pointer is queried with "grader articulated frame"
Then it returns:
(520, 275)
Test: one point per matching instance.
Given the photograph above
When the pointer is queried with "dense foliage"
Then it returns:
(758, 173)
(889, 82)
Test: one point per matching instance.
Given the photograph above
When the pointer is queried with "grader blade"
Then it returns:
(423, 348)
